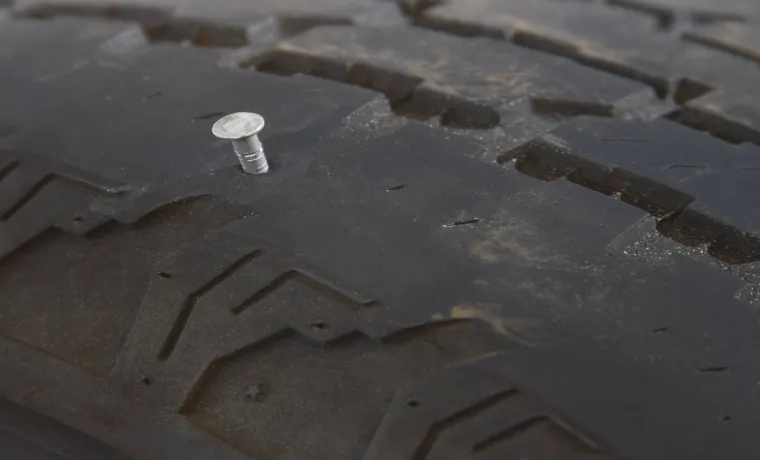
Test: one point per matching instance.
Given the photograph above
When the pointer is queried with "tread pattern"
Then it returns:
(596, 35)
(471, 411)
(739, 39)
(728, 114)
(225, 24)
(467, 83)
(183, 306)
(39, 195)
(224, 300)
(664, 169)
(227, 342)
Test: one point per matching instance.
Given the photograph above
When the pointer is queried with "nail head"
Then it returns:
(238, 125)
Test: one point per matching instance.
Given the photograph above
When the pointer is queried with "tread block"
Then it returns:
(705, 187)
(52, 70)
(468, 83)
(60, 311)
(597, 35)
(473, 411)
(223, 314)
(739, 39)
(243, 295)
(23, 184)
(340, 398)
(47, 201)
(40, 195)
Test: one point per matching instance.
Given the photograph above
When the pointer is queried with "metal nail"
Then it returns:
(242, 130)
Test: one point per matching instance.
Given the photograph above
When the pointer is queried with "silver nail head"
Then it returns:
(242, 130)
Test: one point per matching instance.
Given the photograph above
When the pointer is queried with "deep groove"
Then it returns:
(511, 432)
(416, 8)
(554, 47)
(688, 89)
(422, 451)
(192, 299)
(716, 126)
(196, 32)
(543, 162)
(717, 45)
(547, 45)
(309, 280)
(28, 196)
(407, 95)
(695, 121)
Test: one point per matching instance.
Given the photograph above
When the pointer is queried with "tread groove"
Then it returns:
(189, 304)
(509, 433)
(28, 196)
(400, 89)
(314, 283)
(422, 451)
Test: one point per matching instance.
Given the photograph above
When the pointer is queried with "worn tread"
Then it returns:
(482, 235)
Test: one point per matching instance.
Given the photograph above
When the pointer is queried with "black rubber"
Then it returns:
(492, 229)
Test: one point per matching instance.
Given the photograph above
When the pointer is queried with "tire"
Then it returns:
(491, 229)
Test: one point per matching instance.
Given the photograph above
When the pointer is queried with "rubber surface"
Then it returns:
(491, 229)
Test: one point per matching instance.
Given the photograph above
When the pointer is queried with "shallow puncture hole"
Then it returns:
(660, 329)
(146, 380)
(396, 187)
(713, 369)
(153, 95)
(208, 116)
(726, 418)
(164, 275)
(319, 325)
(413, 403)
(462, 222)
